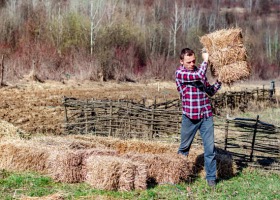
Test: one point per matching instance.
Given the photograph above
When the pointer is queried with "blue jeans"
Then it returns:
(206, 128)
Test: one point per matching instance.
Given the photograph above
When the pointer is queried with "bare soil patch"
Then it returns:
(37, 107)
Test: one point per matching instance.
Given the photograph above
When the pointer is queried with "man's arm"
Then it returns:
(184, 75)
(212, 89)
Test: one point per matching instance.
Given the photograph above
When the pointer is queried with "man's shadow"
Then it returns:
(226, 166)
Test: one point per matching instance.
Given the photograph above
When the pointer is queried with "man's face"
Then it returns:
(188, 62)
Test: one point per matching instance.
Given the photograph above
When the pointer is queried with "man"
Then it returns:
(194, 88)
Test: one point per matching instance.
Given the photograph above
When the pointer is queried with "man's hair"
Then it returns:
(186, 51)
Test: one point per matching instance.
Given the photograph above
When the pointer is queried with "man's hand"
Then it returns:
(205, 55)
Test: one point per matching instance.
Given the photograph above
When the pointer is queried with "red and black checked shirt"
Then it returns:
(195, 103)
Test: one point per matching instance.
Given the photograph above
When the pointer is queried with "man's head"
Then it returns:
(187, 58)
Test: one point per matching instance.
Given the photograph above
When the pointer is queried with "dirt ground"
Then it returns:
(37, 107)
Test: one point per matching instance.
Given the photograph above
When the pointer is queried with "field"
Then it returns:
(37, 107)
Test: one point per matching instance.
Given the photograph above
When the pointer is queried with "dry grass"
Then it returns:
(49, 197)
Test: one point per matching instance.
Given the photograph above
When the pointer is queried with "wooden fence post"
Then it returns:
(152, 124)
(272, 89)
(257, 93)
(65, 111)
(86, 116)
(254, 138)
(2, 70)
(263, 93)
(110, 121)
(226, 133)
(153, 119)
(129, 118)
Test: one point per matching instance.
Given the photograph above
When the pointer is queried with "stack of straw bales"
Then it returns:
(227, 55)
(104, 163)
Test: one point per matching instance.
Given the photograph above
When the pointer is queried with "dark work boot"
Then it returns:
(211, 183)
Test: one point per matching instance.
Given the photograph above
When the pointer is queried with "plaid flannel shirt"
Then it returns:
(195, 103)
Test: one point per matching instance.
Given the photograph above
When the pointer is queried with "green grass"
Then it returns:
(268, 115)
(248, 184)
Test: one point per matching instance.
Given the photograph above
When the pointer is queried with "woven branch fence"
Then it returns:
(127, 118)
(240, 99)
(252, 140)
(123, 119)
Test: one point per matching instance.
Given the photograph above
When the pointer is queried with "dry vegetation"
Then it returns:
(36, 107)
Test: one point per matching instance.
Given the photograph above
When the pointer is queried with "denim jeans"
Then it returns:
(206, 128)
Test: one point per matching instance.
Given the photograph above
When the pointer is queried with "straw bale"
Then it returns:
(164, 168)
(9, 130)
(143, 147)
(115, 173)
(65, 166)
(66, 142)
(20, 155)
(49, 197)
(141, 176)
(127, 176)
(70, 165)
(103, 172)
(227, 55)
(221, 39)
(233, 72)
(133, 145)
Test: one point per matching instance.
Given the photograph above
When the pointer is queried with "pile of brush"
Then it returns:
(227, 55)
(105, 163)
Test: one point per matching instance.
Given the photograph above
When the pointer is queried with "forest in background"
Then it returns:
(128, 40)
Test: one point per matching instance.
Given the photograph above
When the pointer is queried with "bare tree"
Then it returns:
(176, 23)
